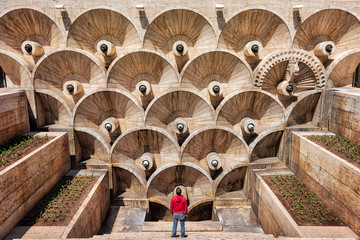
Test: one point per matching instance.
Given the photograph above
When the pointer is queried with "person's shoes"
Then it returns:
(174, 236)
(184, 236)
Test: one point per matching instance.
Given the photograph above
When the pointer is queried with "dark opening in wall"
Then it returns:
(2, 78)
(356, 78)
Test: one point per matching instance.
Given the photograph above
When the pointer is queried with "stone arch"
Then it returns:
(108, 106)
(132, 68)
(100, 24)
(54, 71)
(221, 67)
(185, 25)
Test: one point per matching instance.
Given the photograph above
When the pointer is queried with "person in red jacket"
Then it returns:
(178, 209)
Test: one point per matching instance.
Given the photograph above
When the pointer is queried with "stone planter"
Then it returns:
(334, 179)
(276, 220)
(25, 182)
(86, 221)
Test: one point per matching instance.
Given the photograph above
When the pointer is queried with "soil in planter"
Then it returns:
(339, 146)
(18, 147)
(302, 204)
(59, 206)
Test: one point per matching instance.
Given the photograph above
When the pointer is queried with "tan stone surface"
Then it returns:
(28, 180)
(335, 180)
(91, 214)
(13, 115)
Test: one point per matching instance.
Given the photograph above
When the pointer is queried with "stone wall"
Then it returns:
(334, 180)
(14, 119)
(345, 114)
(25, 182)
(89, 217)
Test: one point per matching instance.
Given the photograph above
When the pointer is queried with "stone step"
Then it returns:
(123, 219)
(190, 235)
(203, 226)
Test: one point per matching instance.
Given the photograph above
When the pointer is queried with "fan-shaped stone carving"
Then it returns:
(91, 147)
(181, 112)
(143, 68)
(194, 179)
(128, 184)
(266, 28)
(108, 113)
(145, 149)
(20, 25)
(96, 25)
(231, 185)
(69, 68)
(216, 149)
(302, 112)
(180, 34)
(51, 109)
(17, 74)
(335, 25)
(287, 73)
(242, 109)
(216, 68)
(341, 71)
(266, 145)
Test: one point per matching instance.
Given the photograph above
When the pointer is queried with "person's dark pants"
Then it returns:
(176, 218)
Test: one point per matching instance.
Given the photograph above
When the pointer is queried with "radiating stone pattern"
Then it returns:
(172, 96)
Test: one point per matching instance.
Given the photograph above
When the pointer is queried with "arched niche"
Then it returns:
(295, 67)
(143, 67)
(336, 25)
(262, 108)
(266, 145)
(231, 184)
(91, 145)
(261, 25)
(180, 106)
(228, 145)
(61, 68)
(151, 144)
(191, 28)
(99, 24)
(26, 24)
(51, 109)
(202, 211)
(110, 106)
(303, 111)
(127, 183)
(221, 68)
(341, 71)
(198, 184)
(16, 70)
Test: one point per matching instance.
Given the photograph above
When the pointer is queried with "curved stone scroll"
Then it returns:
(216, 68)
(145, 149)
(261, 107)
(144, 67)
(61, 69)
(298, 69)
(25, 24)
(230, 149)
(93, 111)
(173, 108)
(180, 27)
(99, 25)
(336, 25)
(197, 182)
(341, 70)
(260, 25)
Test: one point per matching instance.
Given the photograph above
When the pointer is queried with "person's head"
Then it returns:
(178, 191)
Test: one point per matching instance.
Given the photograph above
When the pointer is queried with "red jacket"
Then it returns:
(178, 205)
